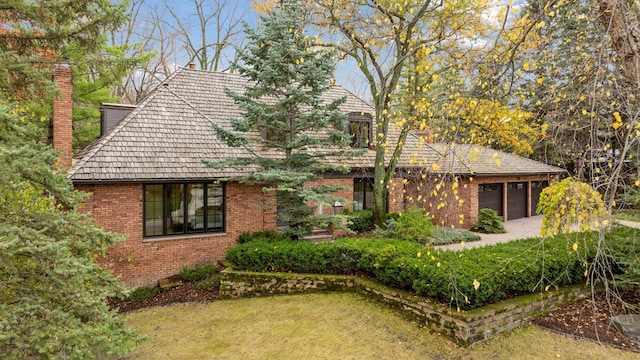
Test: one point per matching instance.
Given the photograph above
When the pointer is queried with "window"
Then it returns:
(362, 194)
(184, 208)
(360, 128)
(489, 187)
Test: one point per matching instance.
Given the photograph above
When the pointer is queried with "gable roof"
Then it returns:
(169, 134)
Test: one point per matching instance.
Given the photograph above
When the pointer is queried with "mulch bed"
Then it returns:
(187, 292)
(585, 319)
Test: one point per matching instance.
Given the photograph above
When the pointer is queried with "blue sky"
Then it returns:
(346, 74)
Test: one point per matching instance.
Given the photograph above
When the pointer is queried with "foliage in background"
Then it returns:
(298, 130)
(490, 222)
(53, 298)
(489, 123)
(37, 34)
(465, 279)
(570, 202)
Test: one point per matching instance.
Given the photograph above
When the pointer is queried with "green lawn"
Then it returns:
(328, 326)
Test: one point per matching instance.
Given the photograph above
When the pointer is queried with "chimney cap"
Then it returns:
(192, 65)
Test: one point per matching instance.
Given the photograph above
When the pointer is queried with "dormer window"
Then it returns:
(360, 128)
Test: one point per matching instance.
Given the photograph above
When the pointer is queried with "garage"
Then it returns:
(516, 200)
(490, 196)
(536, 189)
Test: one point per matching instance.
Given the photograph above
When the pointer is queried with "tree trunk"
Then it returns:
(620, 19)
(379, 191)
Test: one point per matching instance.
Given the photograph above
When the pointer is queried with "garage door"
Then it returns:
(536, 189)
(516, 200)
(490, 196)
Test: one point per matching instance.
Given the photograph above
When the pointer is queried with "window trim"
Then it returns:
(166, 212)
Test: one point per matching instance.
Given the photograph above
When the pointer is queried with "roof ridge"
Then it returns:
(100, 142)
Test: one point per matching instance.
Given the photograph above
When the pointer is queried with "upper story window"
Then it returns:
(360, 128)
(183, 208)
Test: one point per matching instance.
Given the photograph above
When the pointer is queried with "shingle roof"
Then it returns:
(169, 134)
(483, 161)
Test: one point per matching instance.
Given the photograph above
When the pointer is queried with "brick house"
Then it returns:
(147, 179)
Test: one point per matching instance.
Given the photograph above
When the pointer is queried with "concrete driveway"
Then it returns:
(516, 229)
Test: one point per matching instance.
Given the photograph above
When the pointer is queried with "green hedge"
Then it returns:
(503, 270)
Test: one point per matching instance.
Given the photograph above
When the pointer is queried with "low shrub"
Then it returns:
(446, 236)
(210, 283)
(199, 272)
(143, 293)
(466, 279)
(265, 235)
(489, 221)
(360, 220)
(625, 250)
(413, 225)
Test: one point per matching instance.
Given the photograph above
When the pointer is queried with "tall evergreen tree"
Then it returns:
(53, 293)
(300, 132)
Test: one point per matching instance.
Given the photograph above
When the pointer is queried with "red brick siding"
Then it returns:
(140, 262)
(62, 116)
(395, 195)
(446, 208)
(346, 194)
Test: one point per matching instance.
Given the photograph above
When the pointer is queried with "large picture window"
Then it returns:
(183, 208)
(360, 128)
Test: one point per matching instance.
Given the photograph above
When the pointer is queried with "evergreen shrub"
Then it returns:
(199, 272)
(490, 222)
(445, 236)
(626, 255)
(413, 225)
(360, 220)
(499, 271)
(264, 235)
(210, 283)
(143, 293)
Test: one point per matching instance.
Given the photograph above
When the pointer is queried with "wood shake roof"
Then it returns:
(169, 134)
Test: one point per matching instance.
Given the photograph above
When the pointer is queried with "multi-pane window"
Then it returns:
(183, 208)
(362, 194)
(360, 128)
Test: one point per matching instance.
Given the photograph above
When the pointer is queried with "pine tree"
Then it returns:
(299, 133)
(52, 291)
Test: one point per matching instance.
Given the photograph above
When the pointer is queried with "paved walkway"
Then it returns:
(516, 229)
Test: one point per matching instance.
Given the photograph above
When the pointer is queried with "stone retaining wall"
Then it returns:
(465, 327)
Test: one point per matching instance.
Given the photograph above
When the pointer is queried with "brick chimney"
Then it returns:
(62, 124)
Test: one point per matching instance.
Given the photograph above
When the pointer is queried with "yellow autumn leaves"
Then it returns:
(570, 203)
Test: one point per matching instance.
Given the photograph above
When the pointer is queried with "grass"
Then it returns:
(327, 326)
(629, 215)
